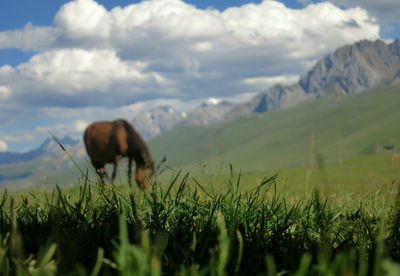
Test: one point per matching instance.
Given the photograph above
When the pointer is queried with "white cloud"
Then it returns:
(3, 146)
(18, 137)
(261, 82)
(68, 77)
(30, 38)
(83, 19)
(74, 128)
(386, 11)
(92, 56)
(80, 125)
(4, 92)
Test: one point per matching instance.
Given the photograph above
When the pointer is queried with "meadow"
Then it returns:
(291, 222)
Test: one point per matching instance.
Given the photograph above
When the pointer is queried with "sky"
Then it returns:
(64, 64)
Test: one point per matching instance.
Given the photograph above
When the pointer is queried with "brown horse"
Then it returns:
(108, 142)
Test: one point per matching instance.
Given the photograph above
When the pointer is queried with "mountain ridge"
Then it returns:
(350, 69)
(48, 146)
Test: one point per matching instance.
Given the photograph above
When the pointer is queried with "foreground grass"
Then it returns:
(194, 230)
(370, 180)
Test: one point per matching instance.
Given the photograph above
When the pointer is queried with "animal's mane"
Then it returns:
(142, 153)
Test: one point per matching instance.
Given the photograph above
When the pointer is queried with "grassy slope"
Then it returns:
(344, 127)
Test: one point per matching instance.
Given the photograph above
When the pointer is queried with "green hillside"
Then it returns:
(342, 126)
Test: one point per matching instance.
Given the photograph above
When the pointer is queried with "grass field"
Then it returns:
(342, 218)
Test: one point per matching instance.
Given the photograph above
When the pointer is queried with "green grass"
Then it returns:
(370, 180)
(344, 127)
(183, 229)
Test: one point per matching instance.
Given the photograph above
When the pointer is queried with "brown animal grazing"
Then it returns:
(108, 142)
(395, 158)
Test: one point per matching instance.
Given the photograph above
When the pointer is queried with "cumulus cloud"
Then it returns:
(4, 92)
(270, 81)
(386, 11)
(19, 137)
(79, 77)
(168, 48)
(63, 129)
(83, 20)
(29, 38)
(3, 146)
(80, 125)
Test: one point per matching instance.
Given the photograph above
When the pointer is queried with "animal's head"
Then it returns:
(143, 175)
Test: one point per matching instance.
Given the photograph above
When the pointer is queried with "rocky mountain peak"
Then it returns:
(158, 120)
(350, 69)
(165, 118)
(211, 102)
(213, 110)
(50, 145)
(395, 47)
(354, 68)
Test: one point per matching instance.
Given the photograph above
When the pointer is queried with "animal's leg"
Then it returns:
(100, 169)
(114, 171)
(130, 172)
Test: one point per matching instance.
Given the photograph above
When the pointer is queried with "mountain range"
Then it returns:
(18, 167)
(350, 69)
(162, 119)
(47, 147)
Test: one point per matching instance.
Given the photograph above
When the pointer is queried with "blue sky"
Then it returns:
(64, 63)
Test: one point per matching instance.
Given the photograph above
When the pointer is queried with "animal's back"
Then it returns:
(120, 136)
(104, 140)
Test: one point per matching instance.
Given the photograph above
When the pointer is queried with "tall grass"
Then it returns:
(193, 230)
